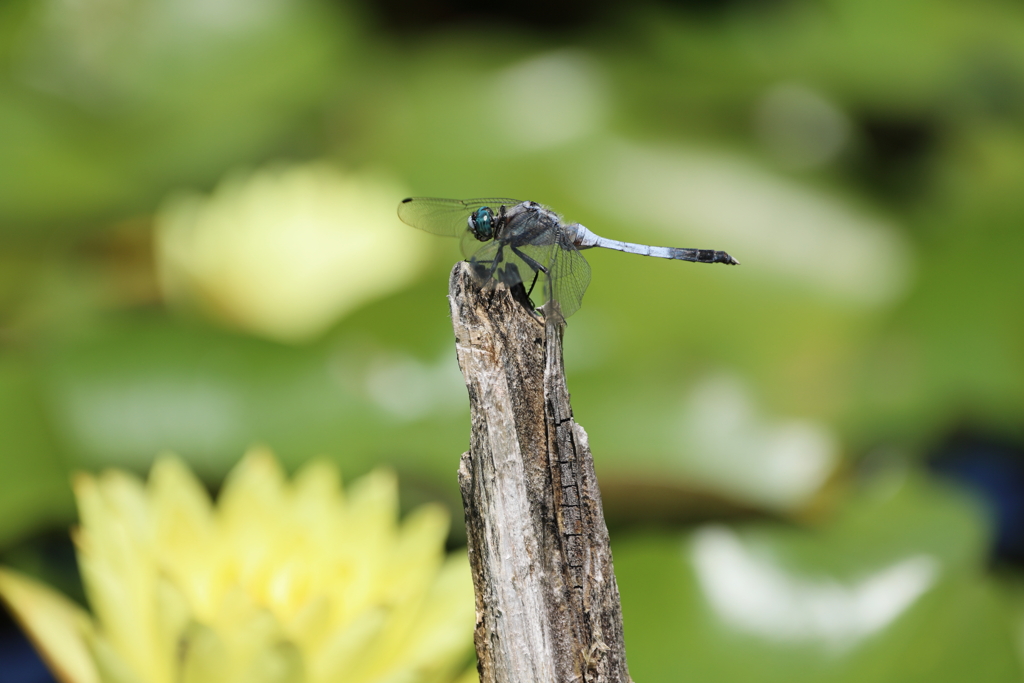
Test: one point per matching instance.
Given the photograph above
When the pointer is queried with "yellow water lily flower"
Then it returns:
(285, 251)
(278, 582)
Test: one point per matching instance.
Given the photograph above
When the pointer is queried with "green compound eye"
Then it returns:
(481, 223)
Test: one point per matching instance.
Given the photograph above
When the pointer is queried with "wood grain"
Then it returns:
(546, 599)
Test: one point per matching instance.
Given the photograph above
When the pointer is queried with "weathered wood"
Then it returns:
(547, 603)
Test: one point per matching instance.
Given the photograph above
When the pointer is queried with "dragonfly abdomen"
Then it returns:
(674, 253)
(701, 256)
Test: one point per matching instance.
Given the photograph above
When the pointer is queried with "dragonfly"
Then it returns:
(512, 241)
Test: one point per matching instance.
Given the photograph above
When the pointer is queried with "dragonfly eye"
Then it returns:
(481, 222)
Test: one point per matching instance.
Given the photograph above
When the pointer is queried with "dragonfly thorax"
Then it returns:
(481, 223)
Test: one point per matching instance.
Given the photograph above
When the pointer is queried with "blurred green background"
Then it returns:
(812, 464)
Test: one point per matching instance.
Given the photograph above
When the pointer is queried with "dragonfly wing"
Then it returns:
(470, 244)
(497, 261)
(570, 278)
(445, 217)
(568, 274)
(486, 260)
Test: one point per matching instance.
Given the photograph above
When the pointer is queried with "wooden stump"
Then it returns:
(547, 604)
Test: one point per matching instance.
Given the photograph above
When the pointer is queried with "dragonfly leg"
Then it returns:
(513, 279)
(486, 272)
(497, 261)
(536, 274)
(532, 262)
(534, 265)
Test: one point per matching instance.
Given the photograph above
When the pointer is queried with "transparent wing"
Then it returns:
(486, 260)
(446, 217)
(570, 278)
(497, 261)
(568, 274)
(470, 244)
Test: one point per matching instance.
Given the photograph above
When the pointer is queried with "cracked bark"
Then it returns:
(547, 604)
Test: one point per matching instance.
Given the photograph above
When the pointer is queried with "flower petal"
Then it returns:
(279, 663)
(344, 651)
(55, 625)
(112, 667)
(204, 657)
(471, 675)
(118, 571)
(186, 545)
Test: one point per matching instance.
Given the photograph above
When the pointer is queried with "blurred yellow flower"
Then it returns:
(277, 582)
(285, 251)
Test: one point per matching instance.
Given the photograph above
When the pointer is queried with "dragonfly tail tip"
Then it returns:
(727, 259)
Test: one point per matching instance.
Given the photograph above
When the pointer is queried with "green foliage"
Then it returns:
(861, 159)
(822, 624)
